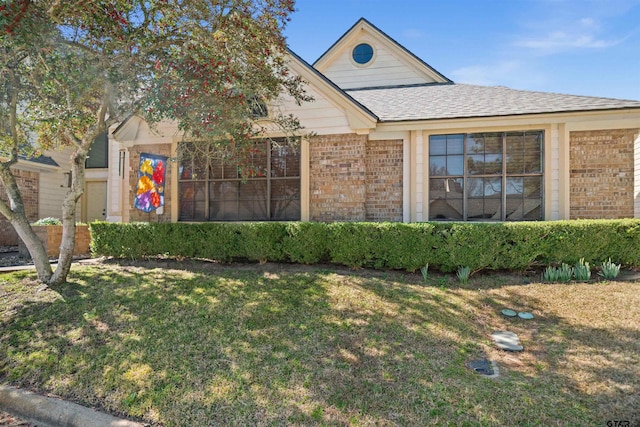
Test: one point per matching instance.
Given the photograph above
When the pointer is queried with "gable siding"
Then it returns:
(386, 70)
(320, 115)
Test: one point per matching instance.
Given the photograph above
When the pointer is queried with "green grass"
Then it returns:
(291, 345)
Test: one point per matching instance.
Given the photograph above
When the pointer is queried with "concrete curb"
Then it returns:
(52, 412)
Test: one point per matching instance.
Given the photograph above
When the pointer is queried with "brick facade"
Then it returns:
(51, 238)
(384, 181)
(353, 179)
(136, 215)
(28, 183)
(601, 175)
(337, 174)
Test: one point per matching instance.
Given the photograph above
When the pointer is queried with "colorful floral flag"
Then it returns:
(151, 177)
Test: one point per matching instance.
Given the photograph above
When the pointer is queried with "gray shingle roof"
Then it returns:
(43, 160)
(448, 101)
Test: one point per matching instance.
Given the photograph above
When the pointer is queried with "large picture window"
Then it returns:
(486, 176)
(211, 187)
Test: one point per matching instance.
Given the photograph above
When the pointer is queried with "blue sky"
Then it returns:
(581, 47)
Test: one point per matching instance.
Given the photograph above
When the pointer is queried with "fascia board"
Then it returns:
(624, 117)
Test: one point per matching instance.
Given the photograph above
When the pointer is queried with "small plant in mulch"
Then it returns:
(463, 274)
(552, 274)
(582, 271)
(609, 270)
(425, 272)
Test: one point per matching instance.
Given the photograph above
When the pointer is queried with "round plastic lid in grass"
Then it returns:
(508, 312)
(525, 315)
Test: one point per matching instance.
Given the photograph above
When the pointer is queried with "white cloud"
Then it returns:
(583, 33)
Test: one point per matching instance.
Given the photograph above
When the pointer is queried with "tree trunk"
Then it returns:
(69, 206)
(16, 215)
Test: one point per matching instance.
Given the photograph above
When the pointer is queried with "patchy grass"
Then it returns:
(291, 345)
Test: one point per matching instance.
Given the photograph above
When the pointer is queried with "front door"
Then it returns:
(96, 197)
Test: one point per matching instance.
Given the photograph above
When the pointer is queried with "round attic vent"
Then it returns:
(362, 53)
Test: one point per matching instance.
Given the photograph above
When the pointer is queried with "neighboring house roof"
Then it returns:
(41, 160)
(452, 101)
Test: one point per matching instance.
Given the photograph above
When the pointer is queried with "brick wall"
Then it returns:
(28, 182)
(136, 215)
(601, 175)
(337, 174)
(384, 181)
(51, 238)
(353, 179)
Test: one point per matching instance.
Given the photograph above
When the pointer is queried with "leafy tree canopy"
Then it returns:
(70, 69)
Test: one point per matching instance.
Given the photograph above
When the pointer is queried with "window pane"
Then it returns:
(533, 186)
(493, 164)
(475, 164)
(455, 165)
(257, 160)
(223, 200)
(484, 201)
(193, 169)
(230, 169)
(437, 165)
(515, 153)
(253, 190)
(533, 152)
(285, 161)
(524, 198)
(192, 201)
(533, 162)
(455, 144)
(445, 199)
(253, 201)
(285, 200)
(475, 144)
(515, 186)
(437, 145)
(215, 168)
(493, 143)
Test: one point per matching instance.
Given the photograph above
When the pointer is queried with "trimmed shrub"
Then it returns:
(307, 242)
(443, 246)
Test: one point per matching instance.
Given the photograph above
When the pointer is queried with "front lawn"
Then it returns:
(292, 345)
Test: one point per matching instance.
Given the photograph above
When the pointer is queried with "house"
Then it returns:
(393, 139)
(44, 181)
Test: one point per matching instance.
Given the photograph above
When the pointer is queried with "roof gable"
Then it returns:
(391, 64)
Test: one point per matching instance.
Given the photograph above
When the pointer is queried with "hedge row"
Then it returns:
(444, 246)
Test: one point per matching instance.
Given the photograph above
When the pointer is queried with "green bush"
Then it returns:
(307, 242)
(48, 221)
(443, 246)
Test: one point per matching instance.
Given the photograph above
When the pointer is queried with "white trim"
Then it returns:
(420, 167)
(636, 177)
(589, 120)
(406, 178)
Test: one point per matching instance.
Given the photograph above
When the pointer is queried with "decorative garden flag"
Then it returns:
(151, 176)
